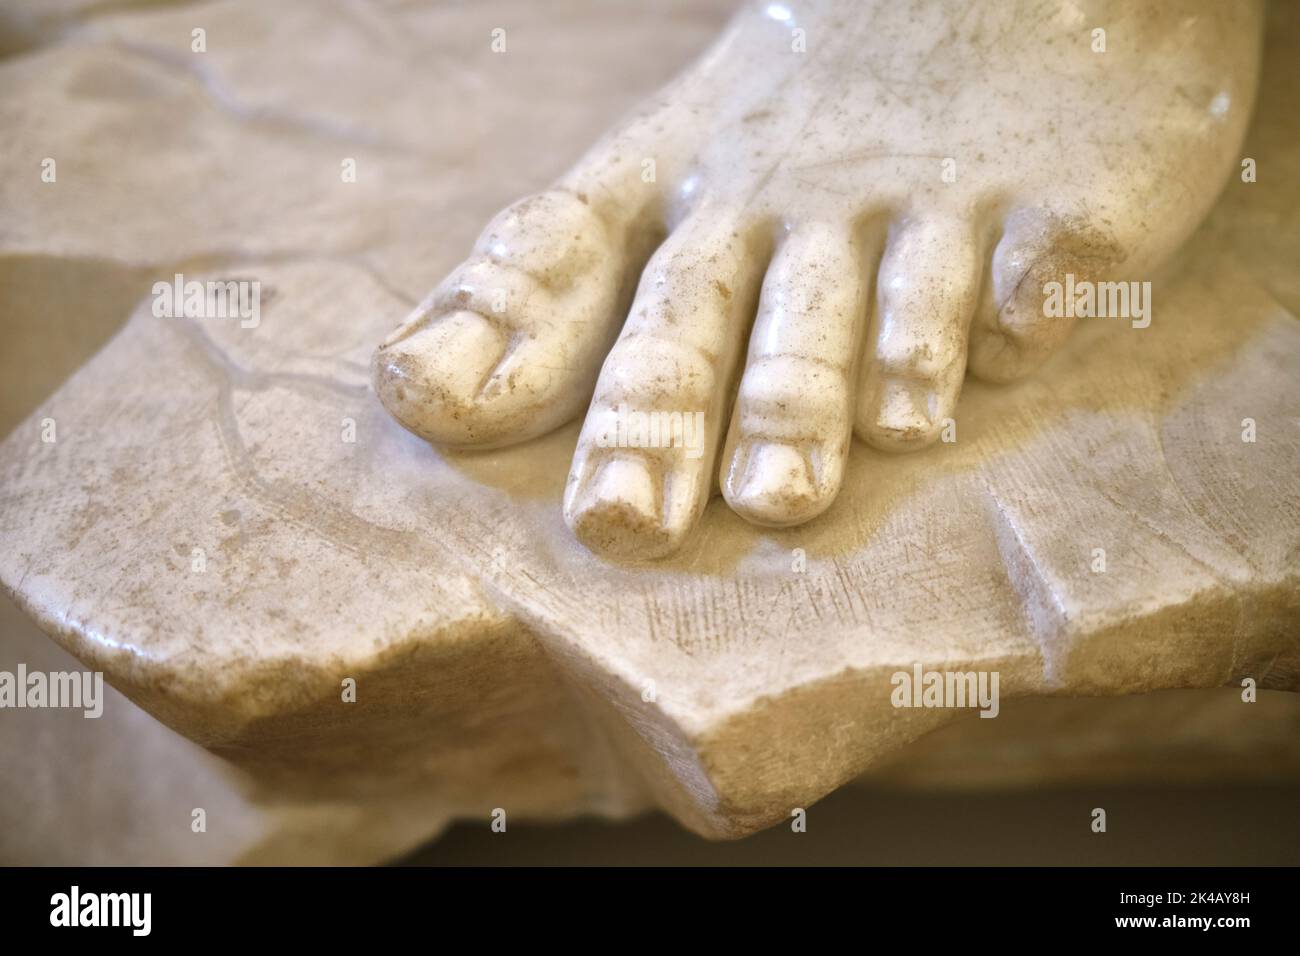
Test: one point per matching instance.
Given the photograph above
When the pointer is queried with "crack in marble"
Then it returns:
(220, 96)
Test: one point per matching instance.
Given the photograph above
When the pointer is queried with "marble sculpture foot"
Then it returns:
(837, 211)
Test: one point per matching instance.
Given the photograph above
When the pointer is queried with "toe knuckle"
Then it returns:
(554, 236)
(659, 373)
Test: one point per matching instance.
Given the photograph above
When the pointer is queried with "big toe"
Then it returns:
(508, 347)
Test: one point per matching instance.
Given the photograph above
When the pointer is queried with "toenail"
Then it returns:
(619, 513)
(776, 487)
(905, 414)
(462, 349)
(627, 481)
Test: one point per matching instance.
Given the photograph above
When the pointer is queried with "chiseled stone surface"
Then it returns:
(498, 664)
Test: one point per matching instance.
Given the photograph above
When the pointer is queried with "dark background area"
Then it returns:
(1219, 826)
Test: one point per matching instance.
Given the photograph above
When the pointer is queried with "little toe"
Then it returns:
(1015, 328)
(642, 470)
(508, 347)
(915, 361)
(790, 432)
